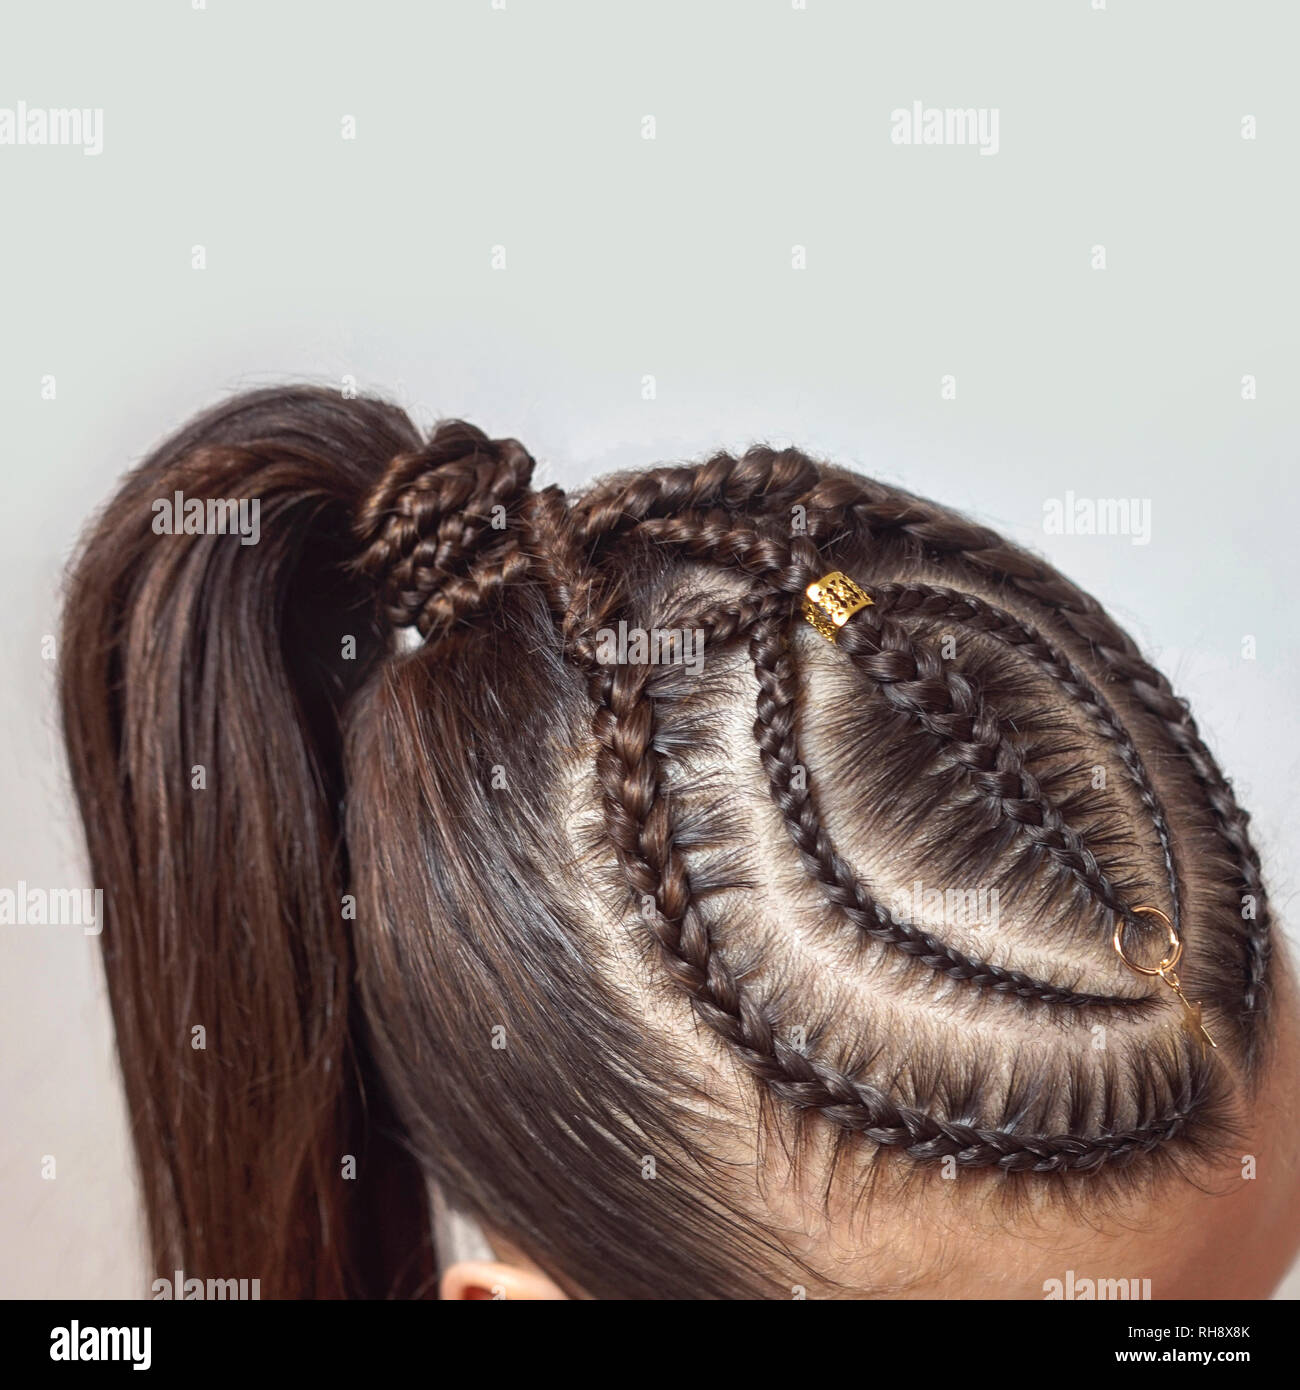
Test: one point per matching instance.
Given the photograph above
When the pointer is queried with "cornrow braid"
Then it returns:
(771, 480)
(637, 817)
(775, 732)
(841, 508)
(834, 500)
(914, 678)
(975, 614)
(777, 520)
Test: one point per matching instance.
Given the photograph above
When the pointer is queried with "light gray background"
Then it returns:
(628, 257)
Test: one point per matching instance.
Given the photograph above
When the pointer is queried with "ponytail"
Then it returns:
(205, 677)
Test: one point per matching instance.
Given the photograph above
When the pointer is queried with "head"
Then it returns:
(686, 950)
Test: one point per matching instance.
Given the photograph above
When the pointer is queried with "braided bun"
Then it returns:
(436, 532)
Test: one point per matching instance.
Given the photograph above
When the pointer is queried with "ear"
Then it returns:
(484, 1279)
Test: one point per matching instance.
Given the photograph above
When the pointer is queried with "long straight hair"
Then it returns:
(202, 698)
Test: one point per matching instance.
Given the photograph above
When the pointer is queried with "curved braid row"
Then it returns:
(936, 601)
(639, 825)
(428, 542)
(836, 503)
(840, 505)
(934, 693)
(761, 480)
(761, 613)
(775, 733)
(833, 500)
(916, 681)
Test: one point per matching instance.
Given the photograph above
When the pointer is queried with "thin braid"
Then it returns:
(639, 827)
(768, 480)
(580, 593)
(758, 550)
(730, 618)
(835, 499)
(774, 731)
(841, 505)
(915, 680)
(936, 601)
(431, 534)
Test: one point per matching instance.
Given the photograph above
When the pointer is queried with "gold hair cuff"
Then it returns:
(1192, 1012)
(831, 602)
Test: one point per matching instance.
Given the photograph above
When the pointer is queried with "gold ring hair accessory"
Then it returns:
(1192, 1012)
(832, 601)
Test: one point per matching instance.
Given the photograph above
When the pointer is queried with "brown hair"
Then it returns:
(588, 942)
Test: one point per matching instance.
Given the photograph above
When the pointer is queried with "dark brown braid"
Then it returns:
(638, 821)
(914, 678)
(775, 732)
(927, 600)
(437, 532)
(431, 536)
(984, 552)
(835, 505)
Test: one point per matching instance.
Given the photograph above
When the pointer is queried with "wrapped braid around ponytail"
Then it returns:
(586, 859)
